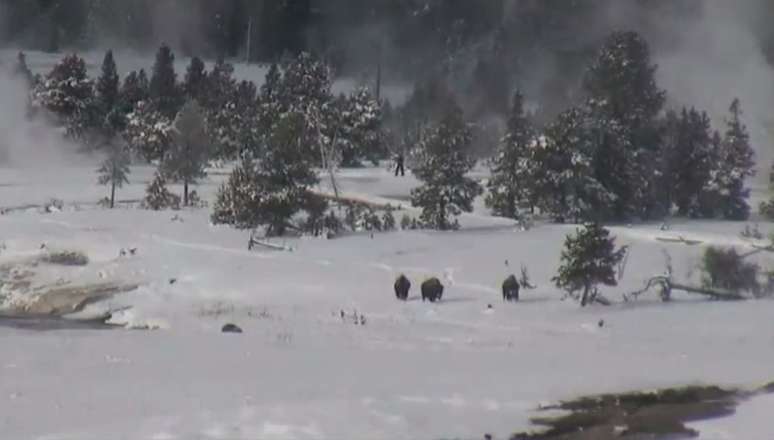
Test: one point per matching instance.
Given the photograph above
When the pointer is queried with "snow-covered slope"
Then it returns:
(455, 369)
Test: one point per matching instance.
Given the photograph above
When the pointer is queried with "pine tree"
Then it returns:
(358, 128)
(589, 258)
(692, 164)
(194, 83)
(306, 81)
(624, 102)
(285, 174)
(735, 164)
(665, 166)
(190, 148)
(108, 84)
(163, 83)
(443, 164)
(114, 171)
(158, 197)
(67, 89)
(513, 168)
(21, 70)
(68, 92)
(229, 113)
(134, 90)
(563, 174)
(220, 86)
(238, 200)
(148, 132)
(269, 103)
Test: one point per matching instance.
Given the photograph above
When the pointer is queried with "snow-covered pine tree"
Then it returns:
(229, 109)
(134, 89)
(195, 80)
(108, 85)
(622, 95)
(442, 167)
(285, 174)
(238, 200)
(589, 258)
(513, 169)
(68, 92)
(163, 89)
(190, 148)
(158, 197)
(735, 164)
(268, 105)
(564, 176)
(305, 80)
(692, 164)
(148, 132)
(114, 170)
(358, 128)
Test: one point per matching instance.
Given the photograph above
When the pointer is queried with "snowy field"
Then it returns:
(455, 369)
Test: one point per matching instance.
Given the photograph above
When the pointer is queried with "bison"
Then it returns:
(511, 289)
(432, 290)
(402, 287)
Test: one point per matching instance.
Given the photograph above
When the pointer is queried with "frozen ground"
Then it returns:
(455, 369)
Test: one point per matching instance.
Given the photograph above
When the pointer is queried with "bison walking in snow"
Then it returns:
(432, 290)
(511, 289)
(402, 287)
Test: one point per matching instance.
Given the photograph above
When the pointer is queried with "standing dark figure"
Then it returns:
(511, 289)
(432, 290)
(400, 165)
(402, 287)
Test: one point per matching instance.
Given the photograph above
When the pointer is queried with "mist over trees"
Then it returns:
(598, 139)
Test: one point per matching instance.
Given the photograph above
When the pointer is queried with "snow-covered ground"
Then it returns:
(455, 369)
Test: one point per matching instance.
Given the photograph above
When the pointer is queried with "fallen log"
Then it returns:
(667, 286)
(722, 295)
(253, 242)
(679, 239)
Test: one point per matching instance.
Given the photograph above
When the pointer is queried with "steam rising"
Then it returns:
(708, 53)
(28, 142)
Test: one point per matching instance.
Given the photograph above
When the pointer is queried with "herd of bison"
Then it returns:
(432, 289)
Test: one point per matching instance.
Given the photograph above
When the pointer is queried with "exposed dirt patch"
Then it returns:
(59, 301)
(643, 415)
(28, 301)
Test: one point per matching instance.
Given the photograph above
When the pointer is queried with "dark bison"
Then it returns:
(511, 289)
(402, 287)
(432, 290)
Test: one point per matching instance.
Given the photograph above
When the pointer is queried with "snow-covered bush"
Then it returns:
(158, 197)
(388, 220)
(726, 269)
(66, 258)
(405, 222)
(766, 209)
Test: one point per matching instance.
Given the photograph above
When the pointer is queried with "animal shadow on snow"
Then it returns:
(461, 299)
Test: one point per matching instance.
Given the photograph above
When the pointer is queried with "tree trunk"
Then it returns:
(185, 193)
(112, 194)
(442, 215)
(585, 296)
